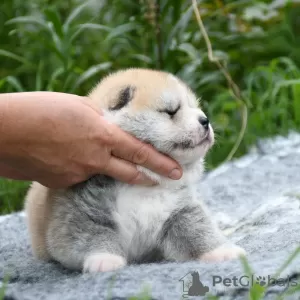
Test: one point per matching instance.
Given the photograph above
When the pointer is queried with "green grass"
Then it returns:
(145, 294)
(3, 288)
(12, 194)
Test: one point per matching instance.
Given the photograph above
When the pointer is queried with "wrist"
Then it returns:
(17, 124)
(4, 108)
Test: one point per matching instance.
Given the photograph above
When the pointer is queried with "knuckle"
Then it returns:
(107, 135)
(90, 166)
(133, 178)
(141, 156)
(96, 163)
(105, 164)
(75, 178)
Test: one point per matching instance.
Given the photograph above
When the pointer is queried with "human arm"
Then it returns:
(60, 139)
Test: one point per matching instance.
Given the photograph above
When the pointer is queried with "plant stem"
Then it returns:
(159, 43)
(232, 85)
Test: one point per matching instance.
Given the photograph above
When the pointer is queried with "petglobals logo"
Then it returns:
(248, 281)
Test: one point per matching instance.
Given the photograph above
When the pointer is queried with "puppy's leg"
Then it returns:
(38, 207)
(190, 234)
(82, 244)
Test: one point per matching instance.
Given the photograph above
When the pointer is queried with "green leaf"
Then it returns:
(292, 290)
(13, 56)
(57, 41)
(284, 83)
(221, 55)
(4, 286)
(73, 15)
(2, 83)
(190, 50)
(210, 77)
(257, 291)
(295, 253)
(145, 294)
(246, 266)
(53, 78)
(28, 20)
(230, 106)
(15, 83)
(179, 26)
(296, 102)
(120, 30)
(53, 17)
(111, 285)
(52, 47)
(212, 297)
(89, 26)
(68, 85)
(290, 65)
(143, 58)
(260, 11)
(38, 78)
(91, 72)
(94, 26)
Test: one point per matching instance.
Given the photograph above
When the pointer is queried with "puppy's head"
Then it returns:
(157, 108)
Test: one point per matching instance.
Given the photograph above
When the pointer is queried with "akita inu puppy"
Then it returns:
(103, 224)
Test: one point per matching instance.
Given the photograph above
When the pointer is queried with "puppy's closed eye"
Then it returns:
(170, 112)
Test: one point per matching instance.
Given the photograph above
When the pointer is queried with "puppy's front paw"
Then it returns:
(222, 253)
(103, 262)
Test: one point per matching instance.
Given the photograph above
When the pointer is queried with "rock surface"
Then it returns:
(256, 200)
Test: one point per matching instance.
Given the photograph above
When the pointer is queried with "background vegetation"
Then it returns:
(68, 46)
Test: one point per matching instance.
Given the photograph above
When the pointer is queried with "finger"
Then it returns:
(126, 172)
(131, 149)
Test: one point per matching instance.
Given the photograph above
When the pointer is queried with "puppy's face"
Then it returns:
(159, 109)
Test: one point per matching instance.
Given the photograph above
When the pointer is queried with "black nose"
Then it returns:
(204, 122)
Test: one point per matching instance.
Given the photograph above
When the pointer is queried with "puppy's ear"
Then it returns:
(125, 95)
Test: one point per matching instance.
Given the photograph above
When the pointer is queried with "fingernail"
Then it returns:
(175, 174)
(144, 180)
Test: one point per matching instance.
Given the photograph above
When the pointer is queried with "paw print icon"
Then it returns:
(261, 280)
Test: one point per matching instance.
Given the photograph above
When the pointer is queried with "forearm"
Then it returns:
(42, 136)
(23, 120)
(23, 124)
(17, 123)
(11, 173)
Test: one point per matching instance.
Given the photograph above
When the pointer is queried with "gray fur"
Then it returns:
(87, 225)
(85, 222)
(189, 232)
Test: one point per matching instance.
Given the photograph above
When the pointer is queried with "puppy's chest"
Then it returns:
(143, 209)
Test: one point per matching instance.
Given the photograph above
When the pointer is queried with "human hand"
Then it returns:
(60, 139)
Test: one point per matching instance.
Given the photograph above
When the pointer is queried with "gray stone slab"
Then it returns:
(256, 200)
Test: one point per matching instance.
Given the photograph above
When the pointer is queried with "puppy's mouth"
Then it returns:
(187, 145)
